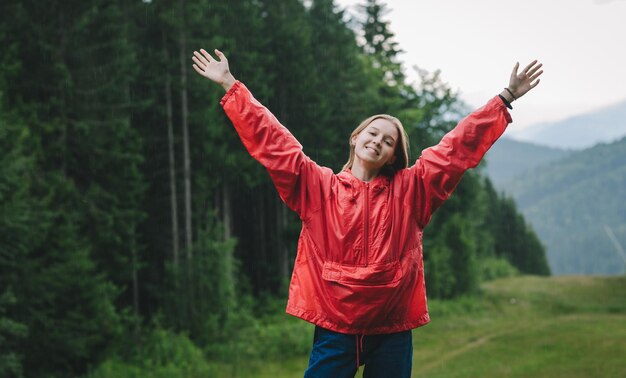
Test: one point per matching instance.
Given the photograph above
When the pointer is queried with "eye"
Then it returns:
(389, 143)
(371, 133)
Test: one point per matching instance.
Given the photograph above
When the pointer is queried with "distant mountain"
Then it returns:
(577, 207)
(509, 158)
(602, 126)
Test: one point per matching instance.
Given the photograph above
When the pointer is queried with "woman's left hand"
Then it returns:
(522, 82)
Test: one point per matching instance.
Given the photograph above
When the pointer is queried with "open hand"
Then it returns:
(522, 82)
(213, 69)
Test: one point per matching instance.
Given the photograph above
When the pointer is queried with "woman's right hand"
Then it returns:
(213, 69)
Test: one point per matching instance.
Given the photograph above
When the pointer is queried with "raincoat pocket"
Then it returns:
(385, 274)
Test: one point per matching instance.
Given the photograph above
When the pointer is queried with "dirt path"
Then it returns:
(463, 349)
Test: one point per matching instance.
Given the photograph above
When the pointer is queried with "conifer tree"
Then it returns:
(17, 235)
(342, 91)
(72, 90)
(379, 46)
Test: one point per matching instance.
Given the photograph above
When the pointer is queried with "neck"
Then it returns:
(362, 172)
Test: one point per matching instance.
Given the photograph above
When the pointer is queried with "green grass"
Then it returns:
(519, 327)
(531, 327)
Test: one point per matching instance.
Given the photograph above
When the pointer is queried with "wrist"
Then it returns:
(508, 95)
(228, 82)
(505, 102)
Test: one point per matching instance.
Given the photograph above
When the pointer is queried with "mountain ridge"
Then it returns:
(509, 158)
(570, 201)
(605, 125)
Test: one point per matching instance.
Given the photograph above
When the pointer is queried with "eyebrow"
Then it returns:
(386, 135)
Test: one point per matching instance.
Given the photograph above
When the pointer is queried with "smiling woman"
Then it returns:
(359, 272)
(387, 138)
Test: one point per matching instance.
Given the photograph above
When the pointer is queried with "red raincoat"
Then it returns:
(359, 267)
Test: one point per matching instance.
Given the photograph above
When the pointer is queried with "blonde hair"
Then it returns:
(402, 145)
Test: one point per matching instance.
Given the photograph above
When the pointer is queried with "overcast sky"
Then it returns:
(475, 44)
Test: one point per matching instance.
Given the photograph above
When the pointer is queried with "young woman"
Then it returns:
(358, 274)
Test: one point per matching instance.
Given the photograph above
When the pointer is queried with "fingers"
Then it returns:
(534, 84)
(533, 70)
(528, 78)
(207, 56)
(514, 72)
(203, 58)
(535, 75)
(530, 73)
(220, 55)
(199, 62)
(198, 70)
(515, 68)
(529, 66)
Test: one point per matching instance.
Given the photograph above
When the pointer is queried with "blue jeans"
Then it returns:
(335, 355)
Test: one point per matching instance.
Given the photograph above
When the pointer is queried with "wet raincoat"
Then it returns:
(359, 267)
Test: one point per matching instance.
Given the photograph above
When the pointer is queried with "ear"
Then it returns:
(353, 141)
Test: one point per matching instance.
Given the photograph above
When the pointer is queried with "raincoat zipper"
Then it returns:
(366, 222)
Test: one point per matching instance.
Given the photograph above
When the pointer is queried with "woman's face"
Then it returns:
(375, 145)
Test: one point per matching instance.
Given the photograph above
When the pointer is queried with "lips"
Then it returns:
(373, 149)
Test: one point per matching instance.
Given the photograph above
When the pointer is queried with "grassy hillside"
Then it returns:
(539, 327)
(520, 327)
(531, 327)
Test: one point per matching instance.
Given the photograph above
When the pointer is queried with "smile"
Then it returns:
(373, 149)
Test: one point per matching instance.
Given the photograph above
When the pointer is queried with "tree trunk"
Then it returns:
(227, 218)
(190, 288)
(283, 252)
(133, 251)
(172, 158)
(133, 231)
(280, 209)
(64, 119)
(133, 244)
(261, 252)
(185, 125)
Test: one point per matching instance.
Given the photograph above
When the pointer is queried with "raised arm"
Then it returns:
(296, 177)
(440, 168)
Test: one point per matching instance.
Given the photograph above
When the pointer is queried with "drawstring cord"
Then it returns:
(359, 349)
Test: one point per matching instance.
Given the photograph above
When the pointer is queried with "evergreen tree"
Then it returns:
(457, 230)
(379, 43)
(514, 240)
(190, 295)
(17, 235)
(55, 291)
(11, 332)
(382, 53)
(72, 90)
(342, 95)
